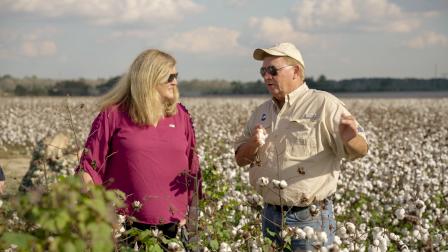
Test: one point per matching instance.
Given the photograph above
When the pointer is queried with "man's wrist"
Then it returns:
(356, 147)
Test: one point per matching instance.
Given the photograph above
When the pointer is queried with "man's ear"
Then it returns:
(297, 73)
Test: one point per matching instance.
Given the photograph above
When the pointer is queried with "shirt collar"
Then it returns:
(292, 97)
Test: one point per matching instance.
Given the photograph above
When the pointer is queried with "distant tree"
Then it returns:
(108, 85)
(321, 79)
(237, 87)
(20, 90)
(70, 87)
(38, 90)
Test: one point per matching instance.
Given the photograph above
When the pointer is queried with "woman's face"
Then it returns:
(168, 87)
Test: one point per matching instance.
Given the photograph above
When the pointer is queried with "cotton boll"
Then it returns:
(309, 231)
(322, 237)
(263, 181)
(299, 233)
(224, 247)
(400, 213)
(337, 240)
(351, 228)
(341, 231)
(283, 184)
(261, 136)
(284, 233)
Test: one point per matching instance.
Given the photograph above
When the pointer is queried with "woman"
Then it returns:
(143, 143)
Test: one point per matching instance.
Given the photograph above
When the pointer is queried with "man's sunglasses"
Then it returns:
(172, 76)
(271, 70)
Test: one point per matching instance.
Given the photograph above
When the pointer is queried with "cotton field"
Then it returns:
(394, 199)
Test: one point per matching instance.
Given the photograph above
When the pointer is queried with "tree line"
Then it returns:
(33, 86)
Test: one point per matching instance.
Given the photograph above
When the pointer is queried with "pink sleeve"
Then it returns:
(96, 149)
(193, 160)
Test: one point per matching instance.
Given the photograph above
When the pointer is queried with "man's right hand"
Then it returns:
(246, 153)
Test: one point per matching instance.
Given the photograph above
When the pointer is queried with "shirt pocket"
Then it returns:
(301, 139)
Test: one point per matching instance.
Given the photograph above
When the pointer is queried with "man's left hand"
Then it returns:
(347, 128)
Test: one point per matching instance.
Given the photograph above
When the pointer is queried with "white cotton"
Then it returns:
(261, 136)
(300, 234)
(400, 213)
(121, 218)
(155, 232)
(337, 240)
(276, 183)
(263, 181)
(283, 184)
(351, 228)
(224, 247)
(394, 237)
(173, 246)
(341, 231)
(309, 231)
(322, 237)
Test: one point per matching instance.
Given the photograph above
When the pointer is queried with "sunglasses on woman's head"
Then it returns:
(271, 70)
(172, 76)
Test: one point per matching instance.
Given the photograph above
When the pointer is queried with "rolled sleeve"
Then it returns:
(337, 109)
(195, 174)
(96, 149)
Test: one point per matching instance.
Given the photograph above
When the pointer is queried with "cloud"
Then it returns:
(236, 3)
(428, 39)
(107, 12)
(365, 15)
(210, 39)
(35, 43)
(38, 48)
(273, 31)
(311, 14)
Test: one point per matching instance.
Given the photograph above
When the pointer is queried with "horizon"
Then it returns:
(187, 80)
(214, 40)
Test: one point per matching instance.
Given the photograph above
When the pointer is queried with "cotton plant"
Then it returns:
(400, 186)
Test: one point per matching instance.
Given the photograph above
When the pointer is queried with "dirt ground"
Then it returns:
(14, 169)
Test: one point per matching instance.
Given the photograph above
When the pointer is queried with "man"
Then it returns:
(294, 143)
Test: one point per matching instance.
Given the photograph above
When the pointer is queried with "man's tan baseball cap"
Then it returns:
(282, 49)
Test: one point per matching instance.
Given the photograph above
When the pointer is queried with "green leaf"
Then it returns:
(144, 234)
(62, 219)
(214, 245)
(154, 248)
(101, 235)
(22, 240)
(68, 246)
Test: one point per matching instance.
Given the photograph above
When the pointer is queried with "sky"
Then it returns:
(215, 39)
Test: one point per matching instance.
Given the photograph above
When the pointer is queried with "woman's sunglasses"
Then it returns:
(271, 70)
(172, 76)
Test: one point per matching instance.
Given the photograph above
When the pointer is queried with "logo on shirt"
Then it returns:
(172, 125)
(311, 116)
(263, 117)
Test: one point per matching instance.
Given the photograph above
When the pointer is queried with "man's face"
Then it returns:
(285, 81)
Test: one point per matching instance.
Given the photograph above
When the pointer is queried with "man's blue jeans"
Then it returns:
(322, 221)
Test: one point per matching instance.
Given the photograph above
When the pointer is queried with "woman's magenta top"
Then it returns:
(153, 165)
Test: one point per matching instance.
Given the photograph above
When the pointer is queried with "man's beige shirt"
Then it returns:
(303, 147)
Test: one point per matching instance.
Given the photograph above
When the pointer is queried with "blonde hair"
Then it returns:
(136, 90)
(294, 62)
